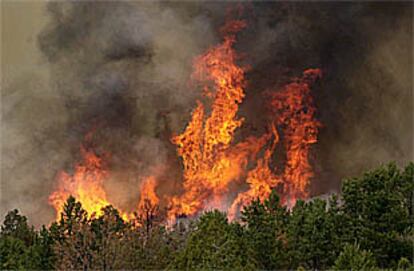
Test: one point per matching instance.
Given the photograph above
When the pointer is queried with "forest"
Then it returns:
(367, 226)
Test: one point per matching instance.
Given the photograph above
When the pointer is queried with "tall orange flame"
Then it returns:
(295, 114)
(261, 180)
(212, 163)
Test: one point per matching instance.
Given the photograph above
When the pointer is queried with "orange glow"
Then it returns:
(149, 199)
(261, 180)
(295, 114)
(210, 162)
(214, 165)
(85, 184)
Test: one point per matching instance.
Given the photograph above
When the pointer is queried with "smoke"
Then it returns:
(124, 67)
(364, 100)
(121, 69)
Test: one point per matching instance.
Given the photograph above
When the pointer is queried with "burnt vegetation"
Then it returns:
(368, 226)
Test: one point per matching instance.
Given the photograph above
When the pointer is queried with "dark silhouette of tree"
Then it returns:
(15, 225)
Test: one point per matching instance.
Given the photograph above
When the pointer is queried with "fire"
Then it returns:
(295, 114)
(261, 180)
(85, 184)
(148, 200)
(212, 162)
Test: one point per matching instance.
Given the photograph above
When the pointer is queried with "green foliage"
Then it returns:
(353, 258)
(312, 235)
(405, 264)
(266, 232)
(12, 251)
(41, 254)
(369, 227)
(16, 226)
(378, 210)
(214, 244)
(21, 246)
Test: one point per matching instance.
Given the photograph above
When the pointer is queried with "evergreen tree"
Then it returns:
(12, 252)
(108, 234)
(266, 232)
(377, 207)
(312, 235)
(374, 213)
(74, 241)
(15, 225)
(214, 244)
(353, 258)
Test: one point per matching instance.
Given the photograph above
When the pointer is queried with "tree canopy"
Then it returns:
(369, 225)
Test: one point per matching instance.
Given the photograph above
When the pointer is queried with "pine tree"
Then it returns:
(266, 232)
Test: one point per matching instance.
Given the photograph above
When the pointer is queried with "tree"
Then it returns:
(15, 225)
(312, 234)
(266, 232)
(22, 247)
(405, 264)
(214, 244)
(45, 256)
(11, 253)
(108, 234)
(378, 210)
(74, 241)
(353, 258)
(372, 223)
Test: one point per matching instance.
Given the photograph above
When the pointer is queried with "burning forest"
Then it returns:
(215, 166)
(165, 134)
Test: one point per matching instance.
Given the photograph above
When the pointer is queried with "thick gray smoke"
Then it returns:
(123, 69)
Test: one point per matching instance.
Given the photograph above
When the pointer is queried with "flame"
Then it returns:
(261, 180)
(85, 184)
(148, 199)
(295, 114)
(212, 161)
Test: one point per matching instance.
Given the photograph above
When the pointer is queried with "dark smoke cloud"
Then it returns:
(120, 68)
(365, 99)
(123, 68)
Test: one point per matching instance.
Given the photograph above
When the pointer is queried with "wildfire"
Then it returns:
(149, 200)
(85, 184)
(261, 180)
(212, 161)
(295, 114)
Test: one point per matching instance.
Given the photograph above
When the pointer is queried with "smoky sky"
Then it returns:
(123, 69)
